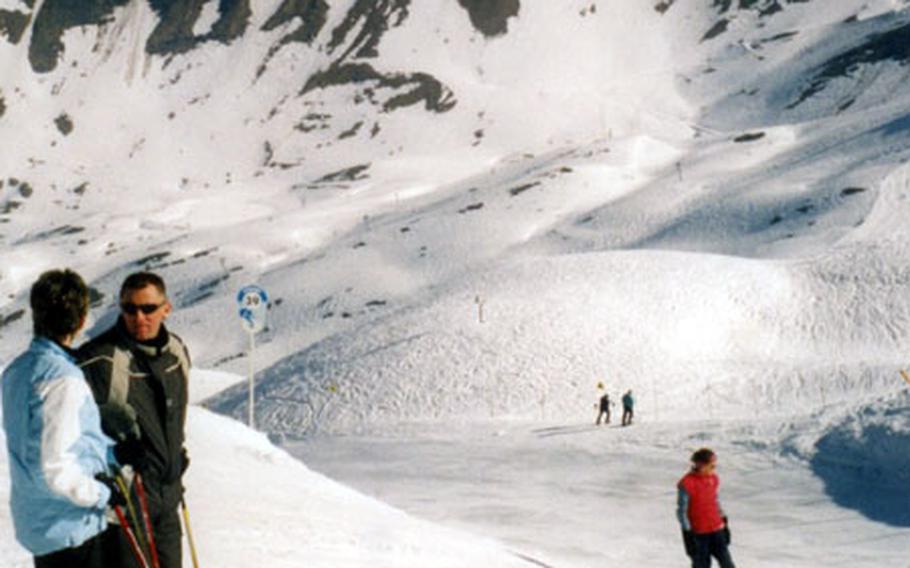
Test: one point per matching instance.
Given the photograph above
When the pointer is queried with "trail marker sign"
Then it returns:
(254, 306)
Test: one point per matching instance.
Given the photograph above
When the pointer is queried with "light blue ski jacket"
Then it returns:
(56, 446)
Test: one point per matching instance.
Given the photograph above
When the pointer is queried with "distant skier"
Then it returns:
(628, 405)
(604, 409)
(704, 525)
(58, 455)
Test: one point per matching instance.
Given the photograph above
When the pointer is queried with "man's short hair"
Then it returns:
(139, 280)
(59, 300)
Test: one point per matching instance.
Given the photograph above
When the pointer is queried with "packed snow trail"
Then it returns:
(578, 495)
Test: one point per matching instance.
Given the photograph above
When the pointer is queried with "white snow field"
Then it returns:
(469, 216)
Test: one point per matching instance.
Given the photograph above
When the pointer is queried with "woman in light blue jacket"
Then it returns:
(53, 434)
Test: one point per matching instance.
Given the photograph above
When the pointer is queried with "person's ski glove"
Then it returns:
(130, 452)
(117, 499)
(689, 542)
(727, 531)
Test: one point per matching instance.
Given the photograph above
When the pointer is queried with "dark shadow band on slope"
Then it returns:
(298, 394)
(877, 48)
(866, 467)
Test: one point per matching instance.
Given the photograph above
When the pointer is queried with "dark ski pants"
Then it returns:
(601, 414)
(90, 554)
(627, 416)
(708, 545)
(166, 528)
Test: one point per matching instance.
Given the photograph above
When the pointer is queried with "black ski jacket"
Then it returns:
(151, 382)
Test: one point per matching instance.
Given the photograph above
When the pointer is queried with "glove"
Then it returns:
(726, 531)
(130, 452)
(119, 421)
(117, 499)
(689, 543)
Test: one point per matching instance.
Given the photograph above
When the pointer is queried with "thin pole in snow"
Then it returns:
(252, 419)
(905, 375)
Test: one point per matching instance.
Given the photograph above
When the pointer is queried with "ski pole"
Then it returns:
(130, 537)
(189, 532)
(905, 375)
(146, 518)
(131, 510)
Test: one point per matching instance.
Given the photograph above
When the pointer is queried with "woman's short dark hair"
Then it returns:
(59, 300)
(139, 280)
(703, 456)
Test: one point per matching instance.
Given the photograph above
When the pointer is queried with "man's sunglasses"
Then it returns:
(132, 309)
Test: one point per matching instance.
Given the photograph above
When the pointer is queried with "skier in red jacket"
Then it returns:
(704, 525)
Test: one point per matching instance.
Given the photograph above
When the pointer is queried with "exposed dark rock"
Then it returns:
(353, 173)
(10, 318)
(25, 190)
(64, 124)
(2, 106)
(491, 17)
(421, 87)
(95, 298)
(852, 191)
(312, 14)
(174, 32)
(717, 29)
(522, 188)
(372, 19)
(749, 137)
(351, 131)
(472, 207)
(13, 25)
(375, 303)
(55, 232)
(779, 37)
(662, 7)
(152, 258)
(54, 18)
(435, 96)
(80, 189)
(10, 206)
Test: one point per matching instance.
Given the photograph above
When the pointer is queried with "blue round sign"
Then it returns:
(254, 305)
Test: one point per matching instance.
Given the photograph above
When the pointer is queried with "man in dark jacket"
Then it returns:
(604, 409)
(628, 408)
(138, 372)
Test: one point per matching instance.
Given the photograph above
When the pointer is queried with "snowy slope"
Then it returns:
(267, 506)
(703, 202)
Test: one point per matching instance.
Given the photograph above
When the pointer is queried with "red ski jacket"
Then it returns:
(698, 507)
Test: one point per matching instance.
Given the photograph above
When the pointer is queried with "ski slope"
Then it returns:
(705, 204)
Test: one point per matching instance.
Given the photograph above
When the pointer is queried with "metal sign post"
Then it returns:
(254, 305)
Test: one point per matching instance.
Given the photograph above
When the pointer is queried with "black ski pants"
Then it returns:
(708, 545)
(627, 415)
(90, 554)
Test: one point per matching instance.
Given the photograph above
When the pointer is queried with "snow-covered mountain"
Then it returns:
(472, 211)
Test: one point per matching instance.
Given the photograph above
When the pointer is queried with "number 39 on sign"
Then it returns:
(253, 308)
